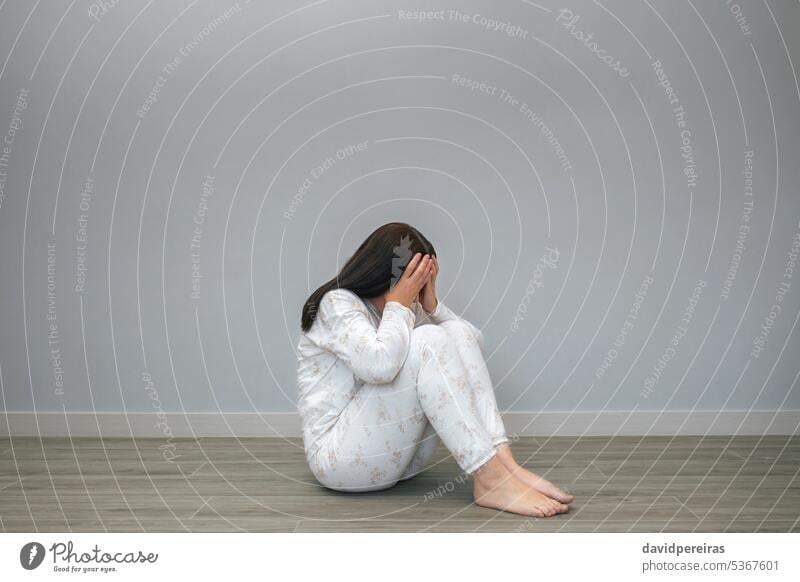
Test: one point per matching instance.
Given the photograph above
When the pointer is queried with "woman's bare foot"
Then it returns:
(530, 478)
(496, 488)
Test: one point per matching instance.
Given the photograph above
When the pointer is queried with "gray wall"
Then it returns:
(558, 150)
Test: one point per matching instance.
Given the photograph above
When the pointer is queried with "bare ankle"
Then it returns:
(506, 457)
(491, 473)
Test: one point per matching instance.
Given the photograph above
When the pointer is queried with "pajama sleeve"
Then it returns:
(374, 355)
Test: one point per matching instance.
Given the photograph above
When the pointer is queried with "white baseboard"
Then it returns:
(251, 424)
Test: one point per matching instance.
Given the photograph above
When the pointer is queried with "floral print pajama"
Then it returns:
(378, 393)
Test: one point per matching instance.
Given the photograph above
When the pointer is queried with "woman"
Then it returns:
(386, 370)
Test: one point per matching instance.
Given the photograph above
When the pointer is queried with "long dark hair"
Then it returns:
(374, 267)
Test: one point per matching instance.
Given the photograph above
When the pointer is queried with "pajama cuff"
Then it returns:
(441, 311)
(496, 441)
(441, 314)
(481, 462)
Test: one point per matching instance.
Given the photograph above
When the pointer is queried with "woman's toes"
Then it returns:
(561, 497)
(554, 507)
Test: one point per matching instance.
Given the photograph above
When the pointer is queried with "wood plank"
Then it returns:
(688, 483)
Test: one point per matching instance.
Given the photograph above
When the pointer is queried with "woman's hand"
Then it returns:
(416, 275)
(428, 294)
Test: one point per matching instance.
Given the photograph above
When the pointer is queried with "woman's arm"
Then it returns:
(374, 355)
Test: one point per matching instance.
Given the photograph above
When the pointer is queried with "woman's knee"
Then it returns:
(465, 330)
(430, 335)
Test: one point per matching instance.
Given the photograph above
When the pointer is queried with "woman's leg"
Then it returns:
(471, 348)
(374, 440)
(426, 447)
(469, 344)
(379, 432)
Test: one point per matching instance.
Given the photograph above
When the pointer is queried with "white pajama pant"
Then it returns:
(389, 432)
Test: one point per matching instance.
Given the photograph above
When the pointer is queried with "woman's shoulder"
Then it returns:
(333, 305)
(340, 294)
(339, 299)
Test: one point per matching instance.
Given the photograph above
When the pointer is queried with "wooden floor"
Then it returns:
(741, 484)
